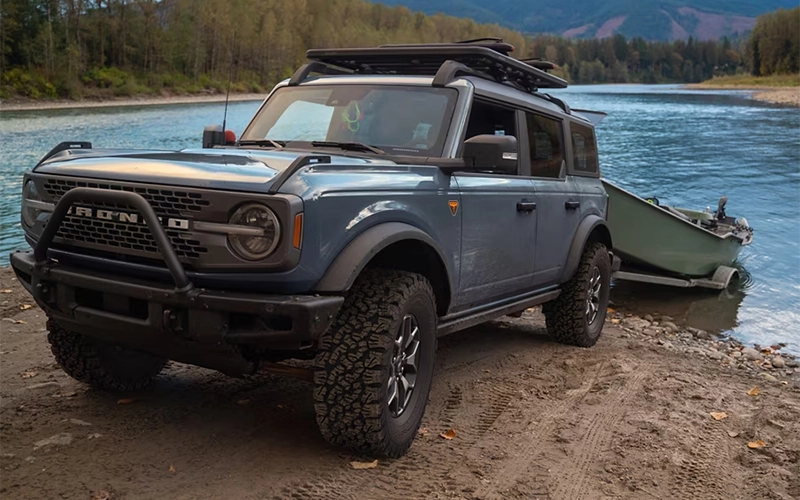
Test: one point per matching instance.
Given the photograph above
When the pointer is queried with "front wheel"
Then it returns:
(577, 316)
(102, 365)
(375, 364)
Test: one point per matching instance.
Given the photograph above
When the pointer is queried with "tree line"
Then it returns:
(774, 45)
(84, 48)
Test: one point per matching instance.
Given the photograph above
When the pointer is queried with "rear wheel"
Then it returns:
(577, 316)
(375, 364)
(102, 365)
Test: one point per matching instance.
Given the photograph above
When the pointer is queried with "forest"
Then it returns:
(98, 48)
(774, 45)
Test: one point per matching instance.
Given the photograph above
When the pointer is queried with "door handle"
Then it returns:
(572, 205)
(526, 206)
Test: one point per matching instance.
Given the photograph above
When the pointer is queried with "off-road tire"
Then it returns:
(566, 317)
(354, 364)
(101, 365)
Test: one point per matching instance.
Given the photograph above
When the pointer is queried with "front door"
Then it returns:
(497, 236)
(498, 219)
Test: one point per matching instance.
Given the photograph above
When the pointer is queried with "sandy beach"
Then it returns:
(776, 95)
(654, 410)
(36, 105)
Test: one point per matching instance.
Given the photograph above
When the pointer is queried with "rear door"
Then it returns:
(498, 225)
(557, 195)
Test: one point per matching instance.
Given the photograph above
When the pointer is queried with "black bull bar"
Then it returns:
(133, 200)
(184, 323)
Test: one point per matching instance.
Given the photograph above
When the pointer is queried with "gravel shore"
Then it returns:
(654, 410)
(785, 95)
(40, 105)
(789, 96)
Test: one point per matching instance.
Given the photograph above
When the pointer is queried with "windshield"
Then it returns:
(398, 120)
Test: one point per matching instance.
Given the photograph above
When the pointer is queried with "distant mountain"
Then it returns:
(649, 19)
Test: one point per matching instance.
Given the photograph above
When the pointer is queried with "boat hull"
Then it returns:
(647, 235)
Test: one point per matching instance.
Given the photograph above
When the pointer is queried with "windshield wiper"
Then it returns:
(348, 146)
(263, 142)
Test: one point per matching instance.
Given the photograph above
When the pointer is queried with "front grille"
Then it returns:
(127, 237)
(166, 202)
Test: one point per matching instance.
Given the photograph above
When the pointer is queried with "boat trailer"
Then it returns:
(720, 280)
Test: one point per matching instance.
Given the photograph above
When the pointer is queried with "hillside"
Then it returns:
(651, 20)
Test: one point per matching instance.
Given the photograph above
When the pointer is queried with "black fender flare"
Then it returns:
(585, 229)
(356, 255)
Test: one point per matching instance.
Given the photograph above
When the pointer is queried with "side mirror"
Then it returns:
(496, 153)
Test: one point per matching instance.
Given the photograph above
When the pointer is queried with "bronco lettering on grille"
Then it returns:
(124, 217)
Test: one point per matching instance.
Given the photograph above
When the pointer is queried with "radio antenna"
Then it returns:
(228, 90)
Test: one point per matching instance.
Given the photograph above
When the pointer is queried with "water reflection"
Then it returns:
(709, 310)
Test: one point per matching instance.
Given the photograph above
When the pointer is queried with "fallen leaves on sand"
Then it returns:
(125, 401)
(756, 444)
(423, 431)
(733, 434)
(753, 392)
(101, 495)
(610, 310)
(719, 415)
(172, 468)
(7, 290)
(25, 307)
(614, 321)
(449, 434)
(364, 465)
(29, 374)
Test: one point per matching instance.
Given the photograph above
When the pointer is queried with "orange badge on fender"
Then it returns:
(453, 207)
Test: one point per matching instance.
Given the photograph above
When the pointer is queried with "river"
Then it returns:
(687, 147)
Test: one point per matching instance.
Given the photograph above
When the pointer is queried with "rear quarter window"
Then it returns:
(584, 149)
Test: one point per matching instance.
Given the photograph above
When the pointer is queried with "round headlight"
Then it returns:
(30, 211)
(258, 244)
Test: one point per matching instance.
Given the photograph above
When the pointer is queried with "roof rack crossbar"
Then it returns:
(450, 70)
(315, 67)
(556, 100)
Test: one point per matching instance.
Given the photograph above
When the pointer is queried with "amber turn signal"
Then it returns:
(297, 234)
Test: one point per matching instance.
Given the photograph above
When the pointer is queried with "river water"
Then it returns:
(685, 147)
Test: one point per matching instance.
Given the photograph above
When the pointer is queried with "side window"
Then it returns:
(584, 148)
(546, 140)
(486, 118)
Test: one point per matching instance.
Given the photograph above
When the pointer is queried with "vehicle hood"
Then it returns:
(226, 169)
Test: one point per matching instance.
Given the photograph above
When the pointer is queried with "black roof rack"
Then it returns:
(484, 58)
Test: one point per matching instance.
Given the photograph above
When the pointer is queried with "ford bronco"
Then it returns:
(379, 198)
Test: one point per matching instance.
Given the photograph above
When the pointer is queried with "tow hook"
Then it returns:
(173, 321)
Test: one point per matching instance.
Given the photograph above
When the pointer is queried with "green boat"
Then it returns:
(670, 240)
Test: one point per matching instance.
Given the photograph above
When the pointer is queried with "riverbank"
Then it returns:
(777, 89)
(531, 418)
(41, 105)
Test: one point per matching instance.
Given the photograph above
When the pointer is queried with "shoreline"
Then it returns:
(512, 398)
(789, 96)
(30, 105)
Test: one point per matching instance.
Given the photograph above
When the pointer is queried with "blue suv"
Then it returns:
(379, 198)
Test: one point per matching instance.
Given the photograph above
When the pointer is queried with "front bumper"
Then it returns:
(211, 328)
(226, 331)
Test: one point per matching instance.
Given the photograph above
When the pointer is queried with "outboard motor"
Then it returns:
(721, 208)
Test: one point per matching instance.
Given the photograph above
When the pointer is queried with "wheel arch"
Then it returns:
(393, 245)
(591, 229)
